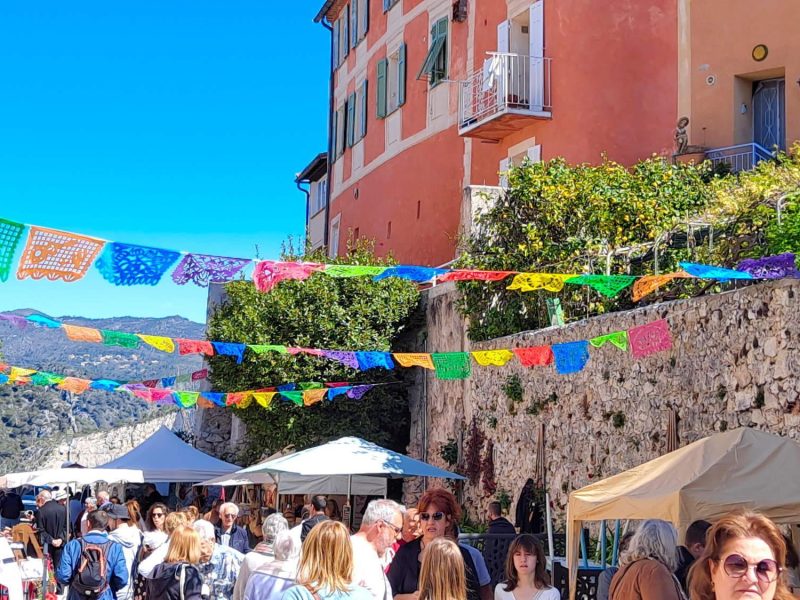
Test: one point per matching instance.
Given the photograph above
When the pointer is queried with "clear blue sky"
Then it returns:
(177, 124)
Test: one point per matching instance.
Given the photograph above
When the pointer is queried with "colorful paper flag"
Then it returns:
(264, 399)
(119, 338)
(185, 399)
(82, 334)
(229, 349)
(269, 273)
(411, 359)
(411, 272)
(771, 267)
(571, 357)
(264, 348)
(534, 356)
(75, 385)
(195, 347)
(530, 282)
(374, 360)
(348, 359)
(129, 264)
(711, 272)
(352, 270)
(607, 285)
(57, 255)
(452, 365)
(495, 358)
(650, 338)
(474, 275)
(650, 283)
(158, 342)
(313, 396)
(618, 339)
(202, 269)
(10, 237)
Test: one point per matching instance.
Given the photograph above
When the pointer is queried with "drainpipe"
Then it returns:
(331, 149)
(307, 192)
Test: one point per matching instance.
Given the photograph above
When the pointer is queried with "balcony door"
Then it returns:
(536, 53)
(769, 113)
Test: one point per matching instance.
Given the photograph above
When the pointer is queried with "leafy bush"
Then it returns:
(321, 312)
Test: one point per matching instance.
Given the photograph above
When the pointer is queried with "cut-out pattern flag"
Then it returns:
(608, 285)
(194, 347)
(348, 359)
(650, 338)
(495, 358)
(10, 236)
(264, 348)
(711, 272)
(530, 282)
(158, 342)
(83, 334)
(535, 356)
(771, 267)
(269, 273)
(374, 360)
(571, 357)
(618, 339)
(411, 359)
(352, 270)
(412, 273)
(57, 255)
(650, 283)
(202, 269)
(228, 349)
(452, 365)
(129, 264)
(119, 338)
(474, 275)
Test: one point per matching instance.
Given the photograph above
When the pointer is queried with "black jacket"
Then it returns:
(165, 582)
(685, 562)
(51, 522)
(308, 525)
(239, 539)
(11, 506)
(501, 525)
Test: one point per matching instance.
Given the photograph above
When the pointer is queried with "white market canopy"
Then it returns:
(77, 475)
(164, 457)
(287, 483)
(704, 480)
(349, 456)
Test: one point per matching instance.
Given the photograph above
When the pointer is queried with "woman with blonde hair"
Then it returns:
(441, 575)
(744, 557)
(326, 566)
(647, 568)
(178, 577)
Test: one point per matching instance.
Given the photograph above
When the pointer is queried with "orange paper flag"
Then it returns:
(57, 255)
(313, 396)
(75, 385)
(650, 283)
(83, 334)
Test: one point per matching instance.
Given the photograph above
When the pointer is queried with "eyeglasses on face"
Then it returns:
(155, 514)
(397, 530)
(437, 516)
(736, 565)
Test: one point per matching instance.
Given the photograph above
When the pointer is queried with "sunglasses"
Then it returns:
(437, 516)
(158, 514)
(736, 566)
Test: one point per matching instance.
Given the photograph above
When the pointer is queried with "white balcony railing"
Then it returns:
(505, 83)
(742, 157)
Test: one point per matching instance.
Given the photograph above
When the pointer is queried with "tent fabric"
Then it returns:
(704, 480)
(164, 457)
(288, 483)
(350, 456)
(77, 475)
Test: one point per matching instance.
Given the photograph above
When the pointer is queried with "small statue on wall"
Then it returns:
(681, 136)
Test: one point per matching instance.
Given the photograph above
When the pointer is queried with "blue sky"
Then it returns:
(177, 124)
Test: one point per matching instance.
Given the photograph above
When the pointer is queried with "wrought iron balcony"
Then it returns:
(505, 94)
(742, 157)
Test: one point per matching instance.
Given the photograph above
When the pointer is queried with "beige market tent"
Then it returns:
(704, 480)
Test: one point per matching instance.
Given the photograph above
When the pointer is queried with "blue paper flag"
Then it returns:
(3, 379)
(287, 387)
(168, 382)
(338, 391)
(43, 321)
(128, 264)
(106, 385)
(229, 349)
(571, 357)
(374, 360)
(418, 274)
(711, 272)
(217, 398)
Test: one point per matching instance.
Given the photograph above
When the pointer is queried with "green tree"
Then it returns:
(321, 312)
(561, 218)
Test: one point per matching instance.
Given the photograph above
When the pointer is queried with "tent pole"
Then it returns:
(550, 544)
(277, 492)
(603, 543)
(615, 553)
(350, 491)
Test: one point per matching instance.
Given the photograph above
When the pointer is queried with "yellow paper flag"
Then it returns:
(529, 282)
(164, 344)
(497, 358)
(414, 360)
(264, 398)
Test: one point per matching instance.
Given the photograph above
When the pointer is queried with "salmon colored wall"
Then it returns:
(723, 47)
(415, 110)
(614, 83)
(377, 23)
(430, 173)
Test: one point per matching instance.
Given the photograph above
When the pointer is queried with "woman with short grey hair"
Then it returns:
(263, 553)
(647, 567)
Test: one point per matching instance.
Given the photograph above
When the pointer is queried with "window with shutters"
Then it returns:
(392, 82)
(350, 119)
(387, 4)
(362, 20)
(435, 65)
(339, 130)
(360, 123)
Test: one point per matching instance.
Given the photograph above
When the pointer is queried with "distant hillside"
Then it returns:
(34, 418)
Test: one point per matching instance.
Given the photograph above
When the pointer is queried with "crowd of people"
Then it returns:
(120, 552)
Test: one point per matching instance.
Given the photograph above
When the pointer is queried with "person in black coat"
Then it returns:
(497, 522)
(228, 533)
(316, 515)
(51, 525)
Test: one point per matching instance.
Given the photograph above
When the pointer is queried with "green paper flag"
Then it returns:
(10, 235)
(43, 378)
(618, 339)
(452, 365)
(352, 270)
(608, 285)
(295, 396)
(309, 385)
(119, 338)
(186, 399)
(264, 348)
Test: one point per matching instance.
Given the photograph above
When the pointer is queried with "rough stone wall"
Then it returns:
(735, 362)
(101, 447)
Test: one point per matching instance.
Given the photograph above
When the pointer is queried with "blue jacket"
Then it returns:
(239, 539)
(117, 572)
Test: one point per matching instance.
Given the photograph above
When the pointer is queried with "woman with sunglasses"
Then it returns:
(438, 514)
(744, 557)
(647, 568)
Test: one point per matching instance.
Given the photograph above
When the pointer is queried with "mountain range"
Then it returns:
(34, 419)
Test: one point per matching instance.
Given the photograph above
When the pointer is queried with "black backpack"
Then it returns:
(90, 580)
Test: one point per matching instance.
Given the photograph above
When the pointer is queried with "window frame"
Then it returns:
(438, 52)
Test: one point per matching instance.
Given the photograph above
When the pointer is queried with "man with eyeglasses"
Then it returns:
(229, 533)
(381, 526)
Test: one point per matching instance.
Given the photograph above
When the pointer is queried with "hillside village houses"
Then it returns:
(433, 99)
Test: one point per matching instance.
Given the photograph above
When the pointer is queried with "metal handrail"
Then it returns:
(741, 157)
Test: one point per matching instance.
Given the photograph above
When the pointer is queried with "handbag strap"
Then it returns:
(182, 580)
(314, 595)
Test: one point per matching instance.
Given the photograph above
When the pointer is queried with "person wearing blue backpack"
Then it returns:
(93, 566)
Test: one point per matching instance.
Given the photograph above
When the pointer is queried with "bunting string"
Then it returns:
(66, 256)
(641, 341)
(303, 393)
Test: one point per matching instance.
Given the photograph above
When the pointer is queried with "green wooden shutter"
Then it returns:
(440, 64)
(365, 19)
(363, 131)
(351, 120)
(383, 66)
(335, 50)
(353, 23)
(346, 30)
(401, 75)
